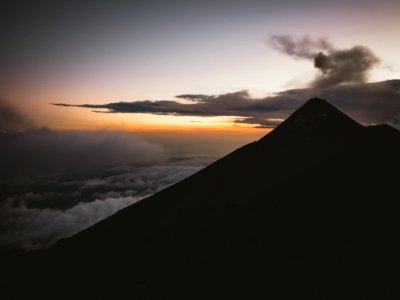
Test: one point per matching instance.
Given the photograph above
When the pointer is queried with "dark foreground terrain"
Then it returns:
(310, 211)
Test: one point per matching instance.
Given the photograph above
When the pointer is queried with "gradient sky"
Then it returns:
(109, 51)
(54, 183)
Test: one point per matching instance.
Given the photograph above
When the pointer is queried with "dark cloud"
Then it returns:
(231, 104)
(367, 103)
(196, 97)
(56, 208)
(336, 66)
(45, 152)
(11, 120)
(341, 66)
(372, 103)
(203, 105)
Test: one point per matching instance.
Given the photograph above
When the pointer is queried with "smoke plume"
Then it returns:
(336, 66)
(304, 48)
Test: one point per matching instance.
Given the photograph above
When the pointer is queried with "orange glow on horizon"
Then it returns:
(72, 118)
(233, 129)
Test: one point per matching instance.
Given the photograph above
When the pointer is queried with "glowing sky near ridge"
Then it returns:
(110, 51)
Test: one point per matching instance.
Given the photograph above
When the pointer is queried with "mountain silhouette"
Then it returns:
(310, 211)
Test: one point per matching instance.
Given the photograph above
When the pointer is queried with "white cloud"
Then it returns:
(58, 209)
(33, 228)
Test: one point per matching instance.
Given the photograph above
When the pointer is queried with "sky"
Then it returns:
(97, 52)
(103, 103)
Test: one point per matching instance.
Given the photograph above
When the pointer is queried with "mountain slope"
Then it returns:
(305, 212)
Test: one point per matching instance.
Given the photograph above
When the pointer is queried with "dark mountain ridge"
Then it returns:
(307, 212)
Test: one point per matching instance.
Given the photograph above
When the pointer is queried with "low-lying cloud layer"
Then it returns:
(44, 152)
(56, 183)
(49, 210)
(33, 228)
(366, 102)
(336, 65)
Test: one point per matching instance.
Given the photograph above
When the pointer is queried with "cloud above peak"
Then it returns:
(336, 66)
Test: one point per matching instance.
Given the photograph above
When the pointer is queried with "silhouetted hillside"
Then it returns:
(307, 212)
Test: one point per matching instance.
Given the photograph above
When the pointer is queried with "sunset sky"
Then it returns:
(98, 52)
(175, 85)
